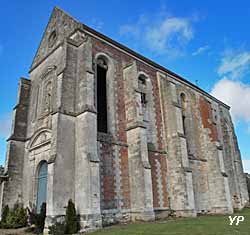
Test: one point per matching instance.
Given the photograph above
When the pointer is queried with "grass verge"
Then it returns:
(203, 225)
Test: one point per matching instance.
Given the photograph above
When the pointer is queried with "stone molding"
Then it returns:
(135, 125)
(93, 157)
(16, 138)
(151, 148)
(43, 135)
(52, 158)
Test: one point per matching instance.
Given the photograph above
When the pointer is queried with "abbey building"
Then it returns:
(123, 137)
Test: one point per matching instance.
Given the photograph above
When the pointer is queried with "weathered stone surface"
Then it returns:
(248, 182)
(170, 147)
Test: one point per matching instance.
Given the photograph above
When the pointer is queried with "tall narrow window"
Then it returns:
(102, 122)
(142, 88)
(183, 105)
(186, 125)
(42, 185)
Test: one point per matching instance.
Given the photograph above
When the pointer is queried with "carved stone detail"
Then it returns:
(78, 38)
(41, 138)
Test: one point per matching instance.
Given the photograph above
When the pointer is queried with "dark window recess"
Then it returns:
(143, 99)
(102, 125)
(52, 38)
(185, 133)
(184, 124)
(142, 80)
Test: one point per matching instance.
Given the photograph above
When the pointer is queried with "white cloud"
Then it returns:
(96, 24)
(136, 29)
(200, 50)
(246, 166)
(168, 35)
(235, 65)
(5, 125)
(237, 95)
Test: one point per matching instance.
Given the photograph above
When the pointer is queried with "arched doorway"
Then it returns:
(42, 185)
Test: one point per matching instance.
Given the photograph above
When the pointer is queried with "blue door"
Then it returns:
(42, 185)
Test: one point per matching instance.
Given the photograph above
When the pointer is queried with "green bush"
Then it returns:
(57, 229)
(71, 225)
(10, 220)
(5, 213)
(15, 218)
(21, 216)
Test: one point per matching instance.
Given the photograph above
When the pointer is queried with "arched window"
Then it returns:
(183, 101)
(102, 120)
(42, 185)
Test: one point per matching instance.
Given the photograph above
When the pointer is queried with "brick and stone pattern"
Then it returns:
(108, 177)
(159, 155)
(159, 181)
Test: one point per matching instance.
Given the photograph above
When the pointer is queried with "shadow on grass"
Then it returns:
(202, 225)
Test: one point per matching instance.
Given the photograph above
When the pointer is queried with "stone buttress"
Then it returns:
(163, 145)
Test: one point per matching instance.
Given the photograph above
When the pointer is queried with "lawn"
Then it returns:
(203, 225)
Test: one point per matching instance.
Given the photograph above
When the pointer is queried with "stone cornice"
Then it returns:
(16, 138)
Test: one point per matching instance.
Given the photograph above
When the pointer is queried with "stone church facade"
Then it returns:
(120, 135)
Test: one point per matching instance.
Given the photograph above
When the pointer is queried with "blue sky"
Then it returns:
(206, 42)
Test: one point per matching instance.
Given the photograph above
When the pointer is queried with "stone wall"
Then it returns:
(11, 191)
(170, 147)
(248, 183)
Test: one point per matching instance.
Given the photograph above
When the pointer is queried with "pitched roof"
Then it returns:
(63, 16)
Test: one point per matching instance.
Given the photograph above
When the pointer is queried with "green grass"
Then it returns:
(203, 225)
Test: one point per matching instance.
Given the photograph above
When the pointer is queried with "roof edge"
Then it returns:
(135, 54)
(152, 63)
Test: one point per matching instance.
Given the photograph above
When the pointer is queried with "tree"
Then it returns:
(71, 225)
(40, 219)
